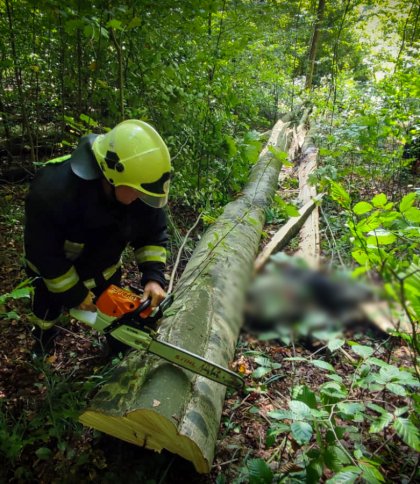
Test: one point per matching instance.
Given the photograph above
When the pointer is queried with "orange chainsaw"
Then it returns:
(123, 315)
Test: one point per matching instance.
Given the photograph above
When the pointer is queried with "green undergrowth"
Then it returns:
(348, 412)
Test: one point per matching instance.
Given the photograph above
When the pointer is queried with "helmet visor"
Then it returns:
(155, 202)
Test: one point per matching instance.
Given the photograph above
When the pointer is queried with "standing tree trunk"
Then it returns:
(315, 44)
(19, 83)
(157, 405)
(120, 58)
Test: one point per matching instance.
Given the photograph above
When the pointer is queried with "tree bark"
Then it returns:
(157, 405)
(309, 246)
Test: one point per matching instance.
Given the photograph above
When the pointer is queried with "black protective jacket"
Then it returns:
(75, 234)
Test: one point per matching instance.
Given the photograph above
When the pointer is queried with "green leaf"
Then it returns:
(335, 457)
(260, 372)
(379, 200)
(335, 344)
(334, 390)
(323, 365)
(359, 271)
(370, 223)
(351, 408)
(134, 22)
(20, 293)
(335, 377)
(88, 31)
(278, 153)
(339, 194)
(401, 411)
(408, 432)
(380, 237)
(263, 361)
(300, 409)
(363, 351)
(371, 474)
(43, 453)
(360, 256)
(295, 358)
(306, 396)
(319, 414)
(314, 470)
(407, 202)
(389, 373)
(291, 210)
(231, 146)
(396, 388)
(381, 422)
(259, 472)
(378, 362)
(412, 215)
(362, 207)
(88, 120)
(72, 25)
(347, 476)
(273, 432)
(301, 431)
(280, 414)
(114, 24)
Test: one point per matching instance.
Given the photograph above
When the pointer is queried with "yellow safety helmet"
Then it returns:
(133, 154)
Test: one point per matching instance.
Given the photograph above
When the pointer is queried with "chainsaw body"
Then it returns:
(127, 318)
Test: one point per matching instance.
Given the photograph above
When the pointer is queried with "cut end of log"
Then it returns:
(149, 430)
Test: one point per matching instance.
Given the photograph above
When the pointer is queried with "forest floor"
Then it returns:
(41, 440)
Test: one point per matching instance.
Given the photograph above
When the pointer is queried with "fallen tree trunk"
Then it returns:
(309, 246)
(286, 232)
(157, 405)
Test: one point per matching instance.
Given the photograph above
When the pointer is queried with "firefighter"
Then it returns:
(84, 209)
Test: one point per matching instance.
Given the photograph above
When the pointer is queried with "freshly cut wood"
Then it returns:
(297, 133)
(286, 233)
(309, 245)
(157, 405)
(380, 314)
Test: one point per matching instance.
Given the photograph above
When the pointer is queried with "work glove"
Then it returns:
(87, 304)
(155, 292)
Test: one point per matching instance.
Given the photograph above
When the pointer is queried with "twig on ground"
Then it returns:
(178, 257)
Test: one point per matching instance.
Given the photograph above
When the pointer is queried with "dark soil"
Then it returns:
(41, 440)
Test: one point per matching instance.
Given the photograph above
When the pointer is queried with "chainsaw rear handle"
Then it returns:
(144, 305)
(137, 313)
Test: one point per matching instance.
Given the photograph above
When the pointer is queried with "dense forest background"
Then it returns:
(207, 74)
(213, 76)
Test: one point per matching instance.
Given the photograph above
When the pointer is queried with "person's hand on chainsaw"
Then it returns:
(155, 292)
(87, 304)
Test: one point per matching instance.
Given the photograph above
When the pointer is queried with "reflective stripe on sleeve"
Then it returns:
(90, 283)
(150, 253)
(108, 273)
(73, 250)
(64, 282)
